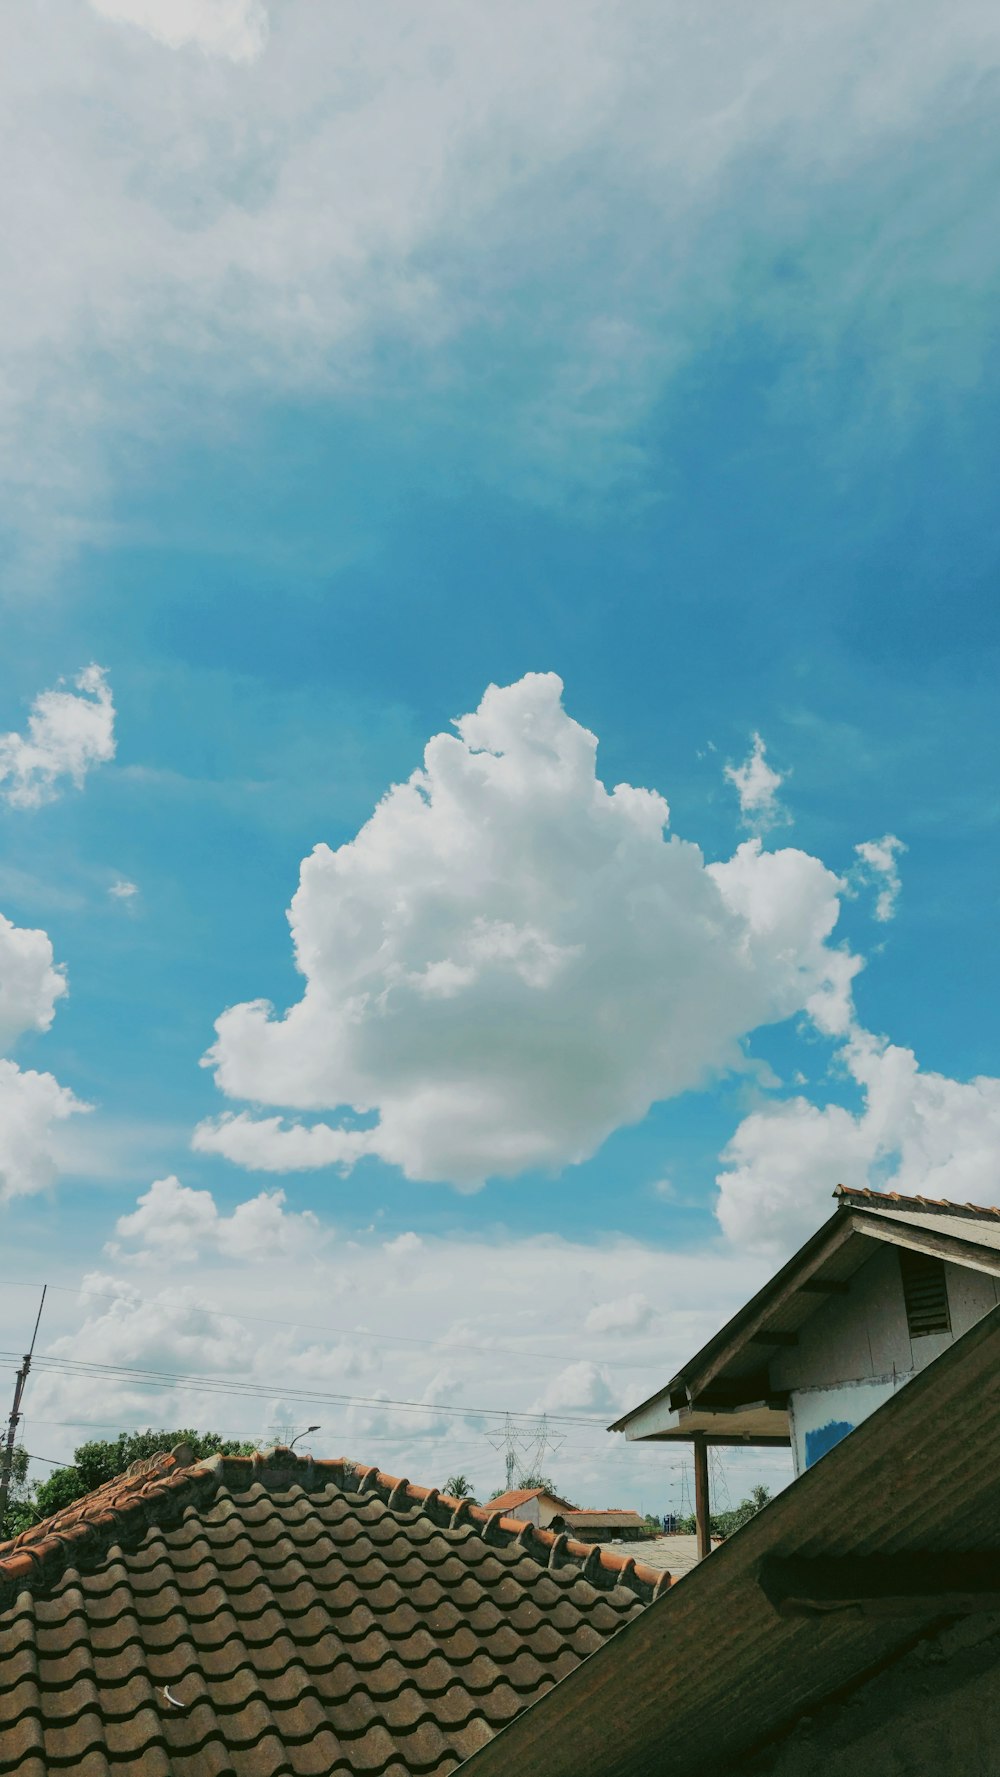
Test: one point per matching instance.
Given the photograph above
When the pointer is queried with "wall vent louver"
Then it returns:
(925, 1292)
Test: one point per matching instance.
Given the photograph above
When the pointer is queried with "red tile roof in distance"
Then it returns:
(272, 1614)
(519, 1496)
(612, 1516)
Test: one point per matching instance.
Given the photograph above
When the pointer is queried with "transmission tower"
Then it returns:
(687, 1504)
(720, 1483)
(544, 1441)
(510, 1440)
(525, 1447)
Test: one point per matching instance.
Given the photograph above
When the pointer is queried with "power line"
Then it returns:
(170, 1381)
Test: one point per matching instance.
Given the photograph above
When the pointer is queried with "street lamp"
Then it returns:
(304, 1434)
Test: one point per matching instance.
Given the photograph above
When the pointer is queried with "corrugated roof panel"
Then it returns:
(711, 1670)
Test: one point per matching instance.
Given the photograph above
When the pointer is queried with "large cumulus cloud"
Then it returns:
(510, 961)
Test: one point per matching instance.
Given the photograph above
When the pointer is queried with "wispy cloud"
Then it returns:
(878, 864)
(757, 785)
(567, 162)
(69, 732)
(233, 28)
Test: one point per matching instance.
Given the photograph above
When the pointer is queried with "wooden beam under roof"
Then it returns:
(917, 1584)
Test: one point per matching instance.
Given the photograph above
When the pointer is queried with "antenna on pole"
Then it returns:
(7, 1460)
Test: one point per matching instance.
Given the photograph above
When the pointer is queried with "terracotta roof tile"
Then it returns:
(850, 1193)
(307, 1617)
(609, 1519)
(519, 1496)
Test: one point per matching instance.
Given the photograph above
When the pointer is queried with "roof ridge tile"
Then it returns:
(899, 1200)
(159, 1488)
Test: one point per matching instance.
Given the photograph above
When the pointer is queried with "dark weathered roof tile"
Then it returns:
(256, 1617)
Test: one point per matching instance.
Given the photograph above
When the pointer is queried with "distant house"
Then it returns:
(607, 1526)
(885, 1286)
(532, 1505)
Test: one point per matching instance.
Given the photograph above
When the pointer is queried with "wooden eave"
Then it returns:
(732, 1365)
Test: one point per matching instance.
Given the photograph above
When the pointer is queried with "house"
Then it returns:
(850, 1629)
(880, 1291)
(533, 1505)
(610, 1525)
(249, 1616)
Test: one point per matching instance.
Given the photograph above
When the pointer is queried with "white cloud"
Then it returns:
(878, 864)
(483, 1322)
(243, 224)
(268, 1144)
(510, 961)
(30, 982)
(757, 785)
(630, 1314)
(161, 1330)
(69, 732)
(123, 891)
(918, 1133)
(582, 1387)
(173, 1220)
(32, 1105)
(233, 28)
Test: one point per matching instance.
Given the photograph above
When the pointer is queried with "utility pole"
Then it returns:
(7, 1461)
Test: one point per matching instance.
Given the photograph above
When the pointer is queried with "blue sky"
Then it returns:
(353, 371)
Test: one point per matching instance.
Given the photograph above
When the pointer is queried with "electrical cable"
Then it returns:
(172, 1380)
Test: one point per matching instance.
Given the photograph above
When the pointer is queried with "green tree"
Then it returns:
(726, 1523)
(459, 1487)
(16, 1515)
(104, 1458)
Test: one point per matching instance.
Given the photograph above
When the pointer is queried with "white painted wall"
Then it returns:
(527, 1512)
(539, 1511)
(856, 1350)
(819, 1417)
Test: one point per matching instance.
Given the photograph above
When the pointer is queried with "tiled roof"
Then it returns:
(861, 1194)
(611, 1517)
(518, 1496)
(505, 1502)
(304, 1617)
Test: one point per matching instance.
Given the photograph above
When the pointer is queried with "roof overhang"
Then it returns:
(727, 1380)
